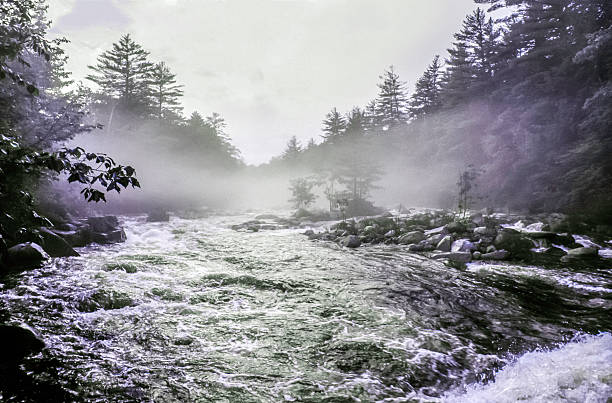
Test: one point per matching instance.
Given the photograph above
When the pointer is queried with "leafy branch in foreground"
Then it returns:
(98, 172)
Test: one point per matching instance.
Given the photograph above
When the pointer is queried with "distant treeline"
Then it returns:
(526, 99)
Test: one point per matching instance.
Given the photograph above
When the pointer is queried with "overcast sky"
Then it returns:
(271, 68)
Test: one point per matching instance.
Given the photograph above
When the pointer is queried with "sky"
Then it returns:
(271, 68)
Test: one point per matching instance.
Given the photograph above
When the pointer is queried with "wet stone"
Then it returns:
(17, 342)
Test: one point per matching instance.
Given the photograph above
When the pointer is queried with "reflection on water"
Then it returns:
(193, 311)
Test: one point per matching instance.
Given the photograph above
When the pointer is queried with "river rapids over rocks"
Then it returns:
(192, 311)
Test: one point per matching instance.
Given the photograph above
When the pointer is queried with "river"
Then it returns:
(192, 311)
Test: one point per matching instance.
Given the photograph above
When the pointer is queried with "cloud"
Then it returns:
(86, 14)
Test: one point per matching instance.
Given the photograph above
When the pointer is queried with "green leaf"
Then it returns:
(32, 90)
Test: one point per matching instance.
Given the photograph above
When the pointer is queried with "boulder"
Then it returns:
(516, 244)
(16, 343)
(101, 299)
(476, 255)
(416, 247)
(541, 234)
(445, 244)
(158, 216)
(435, 231)
(583, 252)
(107, 223)
(496, 255)
(455, 226)
(412, 237)
(109, 237)
(462, 245)
(183, 340)
(461, 257)
(55, 245)
(351, 241)
(75, 238)
(25, 255)
(434, 239)
(485, 231)
(390, 233)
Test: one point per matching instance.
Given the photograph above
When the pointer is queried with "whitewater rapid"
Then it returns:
(193, 311)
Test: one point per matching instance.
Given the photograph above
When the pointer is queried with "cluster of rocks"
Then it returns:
(60, 241)
(264, 222)
(18, 340)
(480, 237)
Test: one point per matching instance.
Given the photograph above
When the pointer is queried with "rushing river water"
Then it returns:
(192, 311)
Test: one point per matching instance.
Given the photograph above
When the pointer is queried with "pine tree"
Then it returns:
(391, 102)
(355, 122)
(293, 149)
(426, 97)
(166, 93)
(372, 120)
(459, 76)
(218, 125)
(479, 36)
(125, 72)
(334, 126)
(472, 59)
(196, 120)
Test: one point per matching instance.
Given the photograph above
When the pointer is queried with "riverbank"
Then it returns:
(545, 239)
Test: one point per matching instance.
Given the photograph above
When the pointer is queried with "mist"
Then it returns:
(305, 200)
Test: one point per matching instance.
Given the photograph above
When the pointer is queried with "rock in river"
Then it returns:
(107, 223)
(25, 255)
(16, 343)
(445, 244)
(351, 241)
(55, 245)
(582, 252)
(412, 237)
(512, 241)
(455, 226)
(462, 257)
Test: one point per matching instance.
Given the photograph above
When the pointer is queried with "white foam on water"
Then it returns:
(605, 253)
(579, 371)
(586, 241)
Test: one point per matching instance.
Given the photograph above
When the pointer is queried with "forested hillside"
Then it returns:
(524, 102)
(521, 102)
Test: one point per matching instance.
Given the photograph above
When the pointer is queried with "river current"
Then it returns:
(192, 311)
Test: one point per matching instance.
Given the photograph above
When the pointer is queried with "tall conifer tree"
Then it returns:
(392, 101)
(426, 97)
(166, 93)
(334, 126)
(125, 72)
